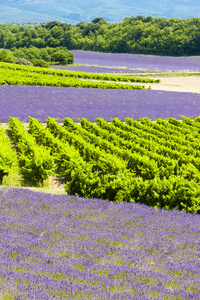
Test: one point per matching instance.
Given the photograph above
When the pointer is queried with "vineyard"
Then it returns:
(13, 74)
(152, 162)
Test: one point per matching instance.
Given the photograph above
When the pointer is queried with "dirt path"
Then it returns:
(189, 84)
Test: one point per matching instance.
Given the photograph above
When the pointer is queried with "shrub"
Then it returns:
(40, 63)
(7, 56)
(23, 61)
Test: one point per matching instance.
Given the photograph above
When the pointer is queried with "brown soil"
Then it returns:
(56, 186)
(56, 183)
(189, 84)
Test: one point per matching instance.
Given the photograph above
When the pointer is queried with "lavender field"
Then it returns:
(138, 61)
(57, 102)
(65, 247)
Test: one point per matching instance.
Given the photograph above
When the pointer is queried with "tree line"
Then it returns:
(142, 35)
(39, 57)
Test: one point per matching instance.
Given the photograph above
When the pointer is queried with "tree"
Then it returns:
(40, 63)
(99, 20)
(51, 24)
(63, 57)
(7, 56)
(23, 61)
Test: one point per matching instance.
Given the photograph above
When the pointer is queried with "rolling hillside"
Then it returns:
(74, 12)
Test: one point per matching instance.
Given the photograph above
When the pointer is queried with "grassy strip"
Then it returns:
(76, 74)
(25, 77)
(171, 73)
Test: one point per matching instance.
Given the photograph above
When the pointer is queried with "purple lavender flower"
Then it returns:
(58, 102)
(138, 61)
(62, 246)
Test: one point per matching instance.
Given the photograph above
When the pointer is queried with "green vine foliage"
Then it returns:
(7, 155)
(98, 160)
(19, 75)
(35, 160)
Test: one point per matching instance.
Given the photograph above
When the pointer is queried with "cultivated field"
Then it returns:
(126, 161)
(65, 247)
(138, 61)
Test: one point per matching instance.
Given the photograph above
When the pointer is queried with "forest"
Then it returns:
(137, 35)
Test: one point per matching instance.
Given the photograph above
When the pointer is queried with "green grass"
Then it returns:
(171, 74)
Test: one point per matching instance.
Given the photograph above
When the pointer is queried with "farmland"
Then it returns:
(128, 224)
(24, 75)
(101, 161)
(66, 247)
(138, 61)
(59, 102)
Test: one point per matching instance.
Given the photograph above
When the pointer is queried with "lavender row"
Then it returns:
(138, 61)
(57, 102)
(91, 69)
(58, 246)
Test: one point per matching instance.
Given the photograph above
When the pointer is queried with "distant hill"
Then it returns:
(72, 12)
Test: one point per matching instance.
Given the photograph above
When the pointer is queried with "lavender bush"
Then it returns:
(138, 61)
(65, 247)
(57, 102)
